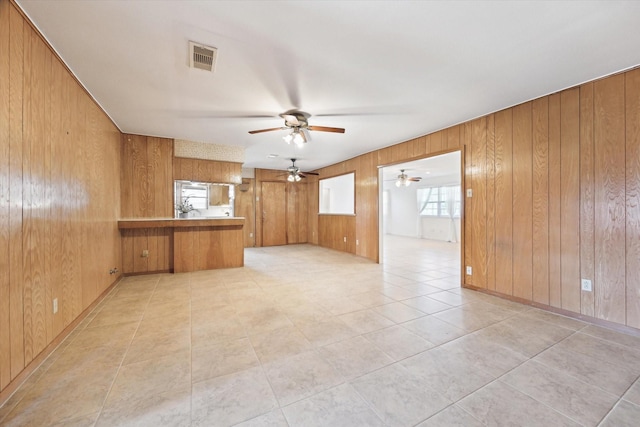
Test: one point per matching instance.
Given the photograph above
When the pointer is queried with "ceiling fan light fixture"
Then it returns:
(298, 178)
(291, 178)
(298, 137)
(288, 138)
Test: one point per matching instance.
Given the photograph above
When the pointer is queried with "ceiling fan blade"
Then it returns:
(301, 175)
(326, 129)
(266, 130)
(415, 179)
(311, 173)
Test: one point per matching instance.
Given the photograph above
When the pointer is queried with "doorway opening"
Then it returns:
(420, 215)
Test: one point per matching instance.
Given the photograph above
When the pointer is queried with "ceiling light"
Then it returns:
(298, 178)
(288, 138)
(299, 137)
(291, 178)
(403, 179)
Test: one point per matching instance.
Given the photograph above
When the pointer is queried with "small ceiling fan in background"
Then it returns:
(294, 174)
(299, 125)
(404, 180)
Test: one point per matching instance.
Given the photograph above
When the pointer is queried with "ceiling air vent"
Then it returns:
(202, 57)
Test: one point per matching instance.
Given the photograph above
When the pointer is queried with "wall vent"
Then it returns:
(202, 57)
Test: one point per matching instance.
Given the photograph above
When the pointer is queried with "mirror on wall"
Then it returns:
(203, 199)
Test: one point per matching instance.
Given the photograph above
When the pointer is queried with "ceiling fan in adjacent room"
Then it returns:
(299, 125)
(294, 174)
(404, 179)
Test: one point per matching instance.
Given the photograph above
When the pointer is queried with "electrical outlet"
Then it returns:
(250, 234)
(586, 285)
(55, 305)
(469, 270)
(345, 239)
(145, 253)
(357, 242)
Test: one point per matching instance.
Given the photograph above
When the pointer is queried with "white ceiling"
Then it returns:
(387, 71)
(442, 167)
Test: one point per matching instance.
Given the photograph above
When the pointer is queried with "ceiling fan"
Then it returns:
(299, 125)
(404, 180)
(293, 172)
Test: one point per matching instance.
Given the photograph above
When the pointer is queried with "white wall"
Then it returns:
(403, 217)
(438, 228)
(403, 211)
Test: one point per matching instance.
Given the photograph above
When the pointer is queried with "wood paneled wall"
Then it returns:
(337, 232)
(146, 179)
(556, 198)
(206, 248)
(207, 170)
(245, 206)
(562, 173)
(364, 228)
(148, 171)
(158, 242)
(59, 196)
(297, 206)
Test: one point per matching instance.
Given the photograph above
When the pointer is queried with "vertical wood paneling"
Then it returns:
(57, 176)
(570, 198)
(245, 207)
(468, 202)
(312, 211)
(504, 201)
(522, 202)
(491, 201)
(301, 213)
(555, 176)
(38, 182)
(46, 204)
(399, 152)
(5, 293)
(453, 137)
(610, 201)
(16, 260)
(50, 200)
(587, 212)
(274, 231)
(418, 147)
(367, 207)
(27, 224)
(540, 199)
(291, 214)
(553, 192)
(632, 124)
(436, 142)
(205, 170)
(479, 201)
(147, 177)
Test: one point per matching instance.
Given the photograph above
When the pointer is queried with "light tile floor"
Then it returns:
(304, 336)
